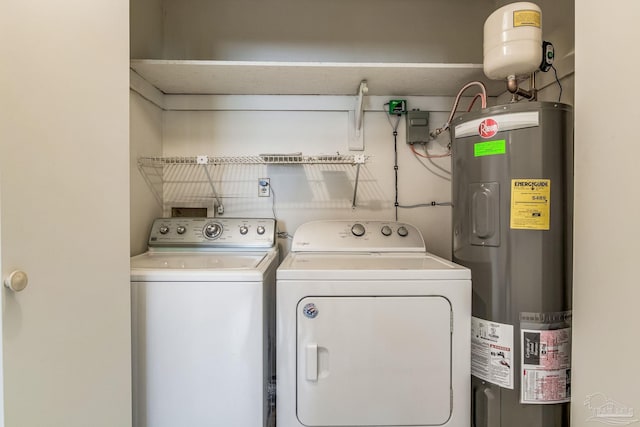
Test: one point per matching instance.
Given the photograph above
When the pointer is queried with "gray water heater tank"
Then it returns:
(512, 226)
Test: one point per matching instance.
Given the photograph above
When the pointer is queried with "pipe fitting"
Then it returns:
(531, 94)
(512, 84)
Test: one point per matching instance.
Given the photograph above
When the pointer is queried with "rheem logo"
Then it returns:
(488, 128)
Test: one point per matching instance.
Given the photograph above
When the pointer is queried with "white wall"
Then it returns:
(146, 140)
(146, 41)
(320, 30)
(353, 31)
(145, 27)
(606, 291)
(311, 192)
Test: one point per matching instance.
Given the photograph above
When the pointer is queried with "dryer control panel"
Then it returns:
(213, 233)
(357, 236)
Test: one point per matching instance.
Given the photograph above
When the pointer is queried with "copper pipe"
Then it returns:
(531, 94)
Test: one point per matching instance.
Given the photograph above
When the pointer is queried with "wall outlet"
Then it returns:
(264, 187)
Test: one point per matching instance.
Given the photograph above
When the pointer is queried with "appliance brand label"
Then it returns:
(310, 310)
(488, 128)
(506, 122)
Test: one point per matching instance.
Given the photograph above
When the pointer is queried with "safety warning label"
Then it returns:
(526, 18)
(492, 352)
(530, 204)
(546, 366)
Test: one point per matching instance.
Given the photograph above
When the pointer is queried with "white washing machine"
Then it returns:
(203, 323)
(371, 329)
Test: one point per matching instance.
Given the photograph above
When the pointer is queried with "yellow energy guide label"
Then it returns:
(530, 201)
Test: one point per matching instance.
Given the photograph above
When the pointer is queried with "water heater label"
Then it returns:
(526, 18)
(489, 148)
(530, 204)
(546, 366)
(492, 352)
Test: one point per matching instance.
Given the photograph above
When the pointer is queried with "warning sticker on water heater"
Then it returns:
(530, 204)
(492, 352)
(546, 366)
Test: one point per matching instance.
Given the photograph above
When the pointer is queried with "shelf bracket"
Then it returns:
(153, 179)
(359, 160)
(356, 118)
(204, 161)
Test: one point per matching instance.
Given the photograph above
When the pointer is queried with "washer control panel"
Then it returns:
(213, 232)
(357, 236)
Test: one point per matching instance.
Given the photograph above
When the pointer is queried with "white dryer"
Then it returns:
(371, 329)
(203, 323)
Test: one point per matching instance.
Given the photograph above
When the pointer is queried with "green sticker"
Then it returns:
(490, 148)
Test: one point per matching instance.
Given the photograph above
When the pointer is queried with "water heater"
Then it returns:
(512, 226)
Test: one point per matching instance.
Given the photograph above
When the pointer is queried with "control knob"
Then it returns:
(386, 230)
(213, 230)
(260, 229)
(181, 229)
(244, 230)
(358, 230)
(402, 231)
(164, 229)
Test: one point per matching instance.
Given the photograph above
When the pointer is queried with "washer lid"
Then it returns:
(196, 260)
(201, 266)
(370, 266)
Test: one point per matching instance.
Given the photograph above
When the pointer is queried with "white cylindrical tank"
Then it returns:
(513, 40)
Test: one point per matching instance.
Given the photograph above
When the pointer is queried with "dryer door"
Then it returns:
(372, 360)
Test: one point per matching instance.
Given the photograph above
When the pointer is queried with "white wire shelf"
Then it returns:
(160, 170)
(263, 159)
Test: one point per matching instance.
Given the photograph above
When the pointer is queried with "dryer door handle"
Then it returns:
(312, 362)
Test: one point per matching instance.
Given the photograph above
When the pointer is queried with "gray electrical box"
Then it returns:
(417, 127)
